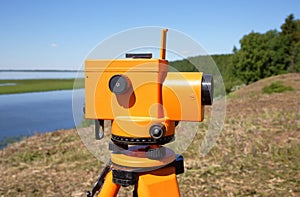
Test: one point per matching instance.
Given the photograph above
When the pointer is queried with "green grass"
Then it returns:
(276, 87)
(256, 154)
(37, 85)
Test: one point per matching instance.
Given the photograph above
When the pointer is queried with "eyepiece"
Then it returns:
(119, 84)
(207, 90)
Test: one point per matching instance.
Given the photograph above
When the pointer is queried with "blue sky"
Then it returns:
(58, 34)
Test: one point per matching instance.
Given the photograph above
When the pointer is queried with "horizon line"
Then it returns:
(39, 70)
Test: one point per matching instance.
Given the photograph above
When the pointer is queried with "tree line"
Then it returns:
(260, 55)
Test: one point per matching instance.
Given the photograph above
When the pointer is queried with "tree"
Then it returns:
(297, 46)
(270, 53)
(291, 33)
(290, 26)
(297, 58)
(260, 56)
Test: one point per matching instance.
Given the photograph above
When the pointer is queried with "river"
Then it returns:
(29, 113)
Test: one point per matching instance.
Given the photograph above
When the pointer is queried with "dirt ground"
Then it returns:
(257, 153)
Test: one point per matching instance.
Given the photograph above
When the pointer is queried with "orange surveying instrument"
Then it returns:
(144, 102)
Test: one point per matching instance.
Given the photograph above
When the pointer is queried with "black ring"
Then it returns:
(142, 141)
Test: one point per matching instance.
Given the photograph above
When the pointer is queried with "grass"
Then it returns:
(257, 153)
(37, 85)
(276, 87)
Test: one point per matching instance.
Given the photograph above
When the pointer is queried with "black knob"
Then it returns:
(119, 84)
(157, 131)
(207, 90)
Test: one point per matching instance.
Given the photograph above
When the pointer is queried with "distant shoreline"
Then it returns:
(39, 85)
(37, 70)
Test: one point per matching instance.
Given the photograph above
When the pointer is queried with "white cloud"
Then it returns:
(54, 45)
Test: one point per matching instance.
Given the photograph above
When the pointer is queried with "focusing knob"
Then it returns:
(119, 84)
(157, 131)
(207, 90)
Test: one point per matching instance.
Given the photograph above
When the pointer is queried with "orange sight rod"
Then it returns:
(163, 44)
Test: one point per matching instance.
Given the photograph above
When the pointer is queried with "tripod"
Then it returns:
(148, 168)
(144, 102)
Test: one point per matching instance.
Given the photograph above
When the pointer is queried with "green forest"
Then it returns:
(260, 55)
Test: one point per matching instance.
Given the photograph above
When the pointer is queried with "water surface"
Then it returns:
(29, 113)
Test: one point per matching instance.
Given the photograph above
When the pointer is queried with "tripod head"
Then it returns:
(144, 102)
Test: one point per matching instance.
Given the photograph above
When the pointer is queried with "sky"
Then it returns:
(59, 34)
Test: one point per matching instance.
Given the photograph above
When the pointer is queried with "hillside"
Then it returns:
(257, 153)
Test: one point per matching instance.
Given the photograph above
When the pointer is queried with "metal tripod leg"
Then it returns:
(104, 182)
(109, 189)
(158, 183)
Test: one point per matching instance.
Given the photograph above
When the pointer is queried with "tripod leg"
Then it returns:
(158, 183)
(134, 194)
(109, 189)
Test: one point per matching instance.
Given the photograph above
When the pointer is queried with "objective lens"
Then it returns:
(207, 90)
